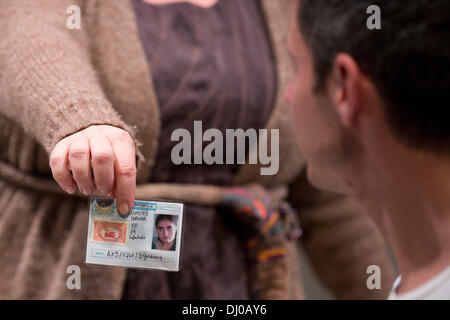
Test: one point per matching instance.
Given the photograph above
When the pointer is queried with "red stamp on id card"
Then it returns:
(108, 231)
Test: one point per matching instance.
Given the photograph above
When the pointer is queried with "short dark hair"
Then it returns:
(162, 217)
(408, 59)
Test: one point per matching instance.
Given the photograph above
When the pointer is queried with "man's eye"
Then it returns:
(169, 228)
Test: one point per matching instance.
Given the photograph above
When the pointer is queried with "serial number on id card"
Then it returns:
(149, 237)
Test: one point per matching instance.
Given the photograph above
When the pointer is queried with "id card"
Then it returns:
(149, 237)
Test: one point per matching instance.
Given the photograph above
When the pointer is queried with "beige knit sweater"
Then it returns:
(55, 82)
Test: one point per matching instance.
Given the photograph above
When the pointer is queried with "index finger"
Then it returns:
(124, 174)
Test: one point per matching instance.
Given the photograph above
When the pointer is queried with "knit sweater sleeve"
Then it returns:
(47, 83)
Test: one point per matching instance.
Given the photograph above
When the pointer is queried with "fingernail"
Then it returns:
(124, 216)
(106, 193)
(123, 208)
(70, 189)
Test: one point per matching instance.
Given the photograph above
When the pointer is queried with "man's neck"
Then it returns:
(410, 202)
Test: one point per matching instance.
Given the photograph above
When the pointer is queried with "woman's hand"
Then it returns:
(101, 158)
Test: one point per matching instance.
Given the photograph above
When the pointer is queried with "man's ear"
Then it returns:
(344, 89)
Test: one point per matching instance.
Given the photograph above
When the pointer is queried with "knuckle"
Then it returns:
(105, 183)
(59, 175)
(101, 158)
(92, 128)
(103, 189)
(81, 176)
(78, 152)
(55, 161)
(122, 135)
(127, 170)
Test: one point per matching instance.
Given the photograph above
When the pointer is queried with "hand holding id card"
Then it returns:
(149, 237)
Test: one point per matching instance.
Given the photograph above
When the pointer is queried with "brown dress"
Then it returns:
(214, 65)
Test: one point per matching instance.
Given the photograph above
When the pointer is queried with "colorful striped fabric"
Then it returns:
(268, 224)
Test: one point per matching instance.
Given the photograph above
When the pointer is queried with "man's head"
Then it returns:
(359, 93)
(166, 228)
